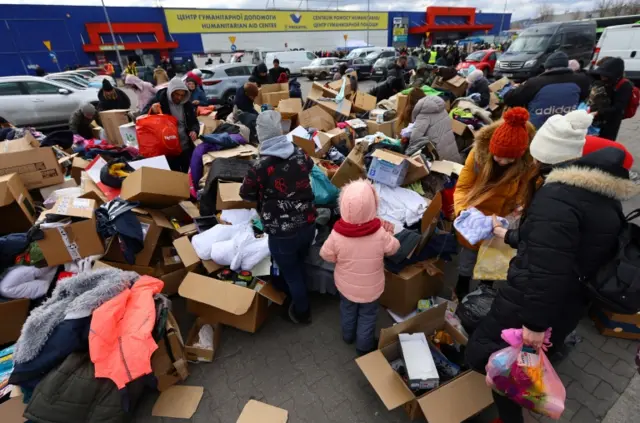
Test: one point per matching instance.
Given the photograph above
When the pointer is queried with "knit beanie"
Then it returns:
(561, 138)
(106, 85)
(474, 76)
(268, 125)
(88, 110)
(511, 139)
(559, 59)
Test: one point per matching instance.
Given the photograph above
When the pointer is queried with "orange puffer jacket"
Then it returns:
(120, 341)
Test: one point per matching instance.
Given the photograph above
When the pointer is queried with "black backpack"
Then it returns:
(616, 286)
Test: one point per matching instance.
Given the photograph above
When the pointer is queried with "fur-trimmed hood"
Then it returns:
(74, 298)
(483, 138)
(601, 172)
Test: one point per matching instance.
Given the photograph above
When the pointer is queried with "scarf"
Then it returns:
(351, 230)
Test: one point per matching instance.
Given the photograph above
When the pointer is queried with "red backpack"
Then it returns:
(634, 101)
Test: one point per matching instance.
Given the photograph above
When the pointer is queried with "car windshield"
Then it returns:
(315, 62)
(372, 55)
(70, 83)
(385, 61)
(530, 43)
(477, 56)
(354, 54)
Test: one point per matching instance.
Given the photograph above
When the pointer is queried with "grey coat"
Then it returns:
(432, 121)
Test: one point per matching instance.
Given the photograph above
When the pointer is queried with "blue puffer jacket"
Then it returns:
(199, 94)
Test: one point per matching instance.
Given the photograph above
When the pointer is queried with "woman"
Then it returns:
(570, 229)
(619, 90)
(406, 115)
(478, 84)
(494, 179)
(432, 122)
(279, 183)
(144, 90)
(198, 97)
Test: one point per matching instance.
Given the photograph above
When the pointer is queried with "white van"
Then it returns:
(294, 60)
(362, 52)
(621, 41)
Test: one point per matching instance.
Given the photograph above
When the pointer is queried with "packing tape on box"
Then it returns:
(72, 247)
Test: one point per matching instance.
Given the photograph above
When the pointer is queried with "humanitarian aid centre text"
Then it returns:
(191, 21)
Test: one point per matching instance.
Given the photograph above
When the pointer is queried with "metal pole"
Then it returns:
(368, 18)
(502, 19)
(113, 36)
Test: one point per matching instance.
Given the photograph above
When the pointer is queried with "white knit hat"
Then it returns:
(561, 138)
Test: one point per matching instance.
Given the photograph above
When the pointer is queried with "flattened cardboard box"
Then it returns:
(454, 401)
(216, 301)
(229, 197)
(16, 205)
(196, 353)
(210, 124)
(72, 241)
(256, 411)
(155, 187)
(37, 166)
(364, 102)
(10, 327)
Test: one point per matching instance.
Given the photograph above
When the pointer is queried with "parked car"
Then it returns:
(73, 81)
(380, 69)
(41, 103)
(293, 60)
(319, 68)
(621, 41)
(220, 82)
(526, 56)
(93, 78)
(362, 52)
(361, 66)
(484, 60)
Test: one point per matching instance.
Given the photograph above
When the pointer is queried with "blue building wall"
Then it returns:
(24, 28)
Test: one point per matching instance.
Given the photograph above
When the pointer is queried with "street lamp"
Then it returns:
(113, 37)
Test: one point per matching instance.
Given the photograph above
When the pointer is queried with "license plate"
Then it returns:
(378, 72)
(508, 75)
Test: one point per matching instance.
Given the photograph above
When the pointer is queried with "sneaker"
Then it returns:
(299, 318)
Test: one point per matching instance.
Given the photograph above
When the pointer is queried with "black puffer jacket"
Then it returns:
(570, 228)
(256, 76)
(619, 91)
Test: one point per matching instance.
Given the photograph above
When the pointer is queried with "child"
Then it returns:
(358, 244)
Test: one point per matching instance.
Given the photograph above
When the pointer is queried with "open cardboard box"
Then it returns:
(388, 128)
(194, 353)
(364, 102)
(457, 85)
(168, 362)
(171, 275)
(182, 214)
(151, 233)
(325, 139)
(210, 124)
(112, 120)
(14, 314)
(37, 166)
(335, 86)
(215, 301)
(464, 134)
(16, 205)
(155, 187)
(77, 166)
(272, 94)
(453, 401)
(353, 166)
(416, 169)
(324, 98)
(75, 240)
(318, 118)
(289, 109)
(190, 259)
(229, 197)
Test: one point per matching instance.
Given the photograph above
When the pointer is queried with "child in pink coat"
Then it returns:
(358, 244)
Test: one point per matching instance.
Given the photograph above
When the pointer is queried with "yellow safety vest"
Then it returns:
(432, 57)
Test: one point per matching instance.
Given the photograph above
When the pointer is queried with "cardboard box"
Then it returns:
(194, 353)
(388, 128)
(96, 132)
(229, 197)
(324, 139)
(216, 301)
(499, 84)
(266, 91)
(256, 411)
(59, 190)
(77, 166)
(401, 102)
(13, 409)
(14, 314)
(170, 368)
(181, 214)
(402, 291)
(155, 187)
(364, 102)
(37, 166)
(353, 166)
(210, 124)
(151, 233)
(190, 259)
(337, 85)
(111, 121)
(289, 110)
(454, 401)
(457, 85)
(316, 117)
(395, 169)
(324, 98)
(128, 134)
(73, 241)
(626, 326)
(16, 205)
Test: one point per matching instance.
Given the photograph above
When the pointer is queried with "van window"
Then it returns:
(310, 56)
(534, 43)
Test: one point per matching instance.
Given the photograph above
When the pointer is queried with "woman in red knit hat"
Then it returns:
(494, 179)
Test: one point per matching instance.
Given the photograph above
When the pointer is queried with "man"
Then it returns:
(131, 69)
(387, 88)
(433, 56)
(556, 91)
(108, 69)
(275, 71)
(81, 122)
(245, 95)
(397, 70)
(40, 71)
(174, 101)
(260, 74)
(111, 98)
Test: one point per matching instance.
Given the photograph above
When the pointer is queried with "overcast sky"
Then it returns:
(521, 9)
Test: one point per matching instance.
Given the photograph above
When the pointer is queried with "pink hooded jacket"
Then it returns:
(145, 91)
(359, 273)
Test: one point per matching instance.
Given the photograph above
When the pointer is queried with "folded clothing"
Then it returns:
(26, 282)
(474, 226)
(400, 206)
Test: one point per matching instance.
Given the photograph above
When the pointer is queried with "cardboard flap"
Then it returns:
(179, 402)
(186, 252)
(390, 156)
(457, 81)
(226, 296)
(387, 383)
(270, 293)
(457, 400)
(74, 207)
(6, 193)
(316, 117)
(256, 411)
(239, 151)
(26, 143)
(499, 84)
(427, 321)
(289, 107)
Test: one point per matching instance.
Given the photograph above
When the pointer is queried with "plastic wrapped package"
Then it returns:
(475, 307)
(493, 260)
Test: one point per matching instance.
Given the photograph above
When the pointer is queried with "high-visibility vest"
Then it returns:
(432, 57)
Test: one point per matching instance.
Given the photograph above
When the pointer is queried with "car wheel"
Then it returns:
(323, 76)
(311, 77)
(230, 97)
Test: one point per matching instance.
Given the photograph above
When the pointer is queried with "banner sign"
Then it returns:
(196, 21)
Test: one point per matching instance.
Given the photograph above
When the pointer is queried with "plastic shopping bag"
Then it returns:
(475, 306)
(493, 260)
(158, 136)
(525, 377)
(324, 191)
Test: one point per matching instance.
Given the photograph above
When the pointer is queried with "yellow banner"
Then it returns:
(190, 21)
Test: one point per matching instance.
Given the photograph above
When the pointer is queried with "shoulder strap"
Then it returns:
(620, 82)
(632, 215)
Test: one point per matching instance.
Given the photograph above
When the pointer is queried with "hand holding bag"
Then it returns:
(158, 136)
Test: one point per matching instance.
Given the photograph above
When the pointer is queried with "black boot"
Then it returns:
(462, 287)
(295, 317)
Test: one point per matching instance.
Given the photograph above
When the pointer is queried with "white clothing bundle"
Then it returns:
(26, 281)
(400, 206)
(231, 245)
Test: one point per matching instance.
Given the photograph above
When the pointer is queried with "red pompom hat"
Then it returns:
(511, 139)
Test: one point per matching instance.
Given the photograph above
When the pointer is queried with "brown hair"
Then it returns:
(405, 115)
(251, 90)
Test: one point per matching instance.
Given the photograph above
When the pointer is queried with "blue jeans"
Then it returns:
(359, 321)
(289, 253)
